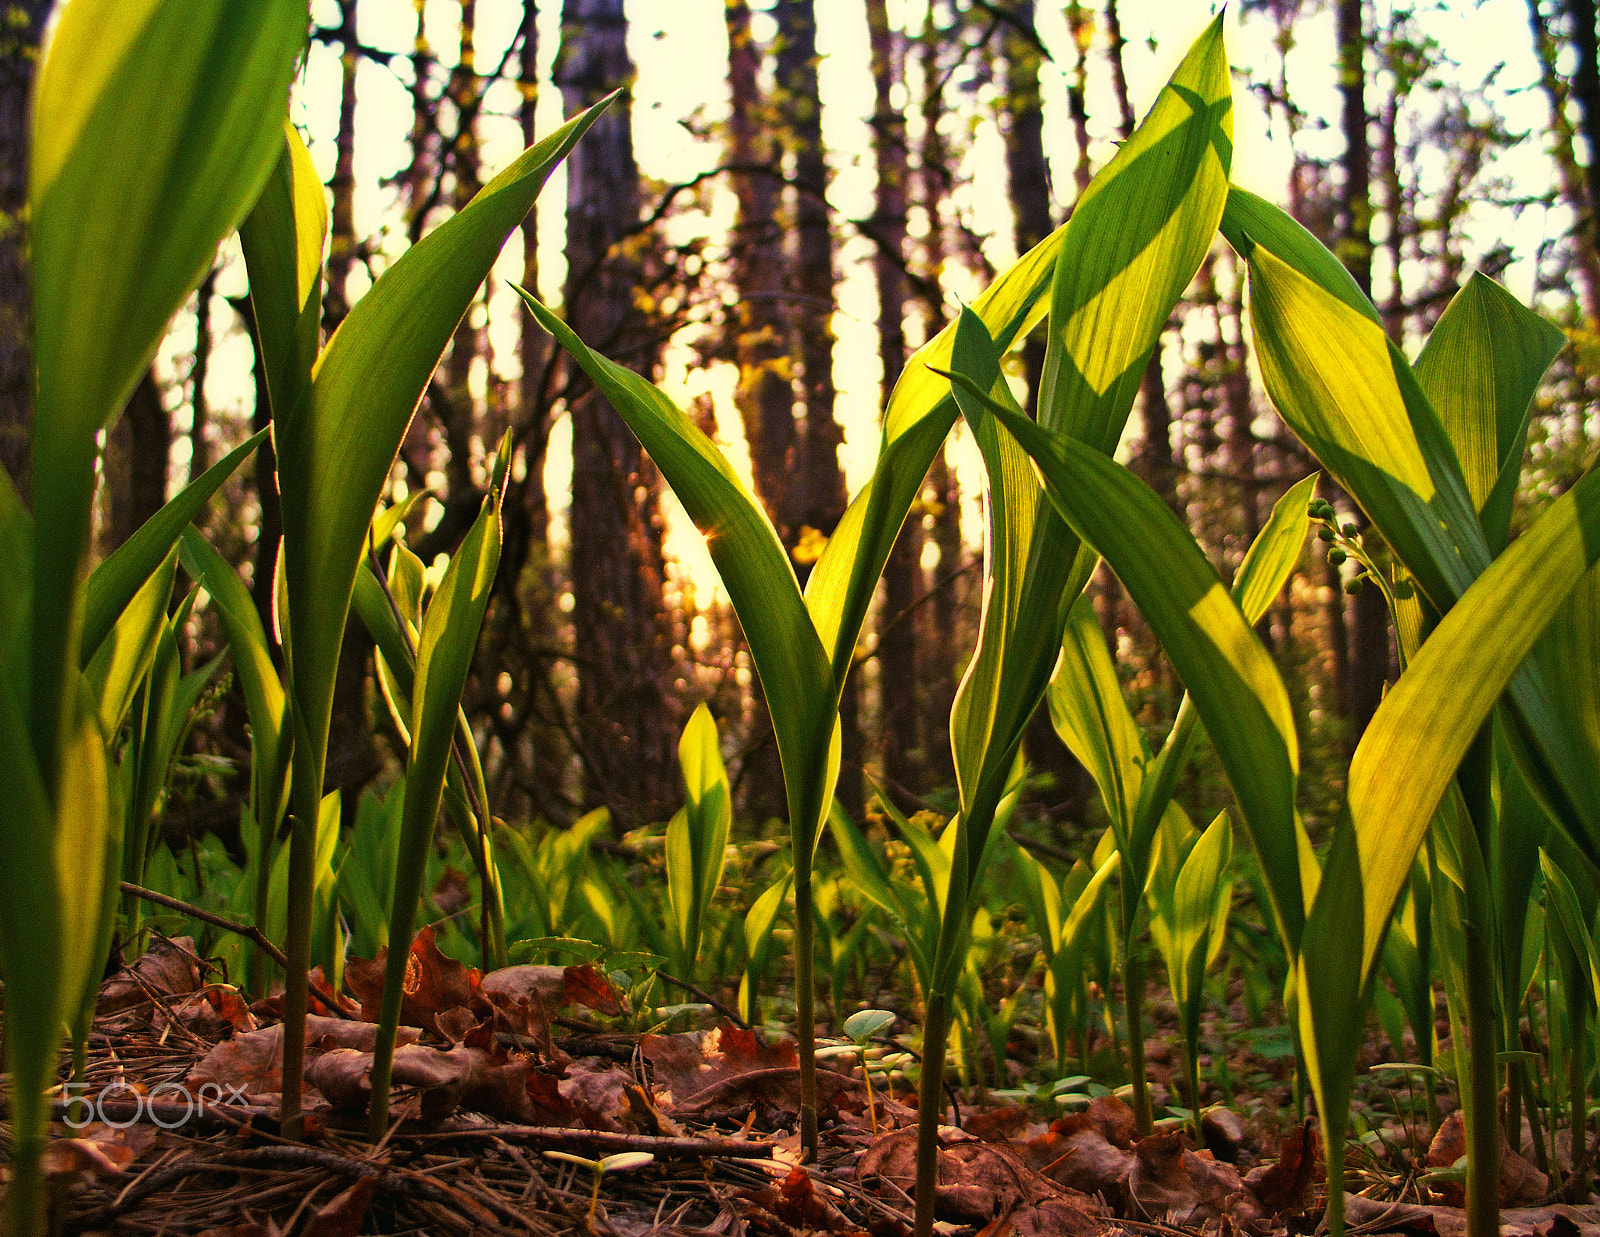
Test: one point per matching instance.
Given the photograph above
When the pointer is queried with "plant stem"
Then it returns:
(930, 1107)
(1333, 1156)
(805, 940)
(1133, 980)
(1577, 1093)
(1482, 1117)
(307, 802)
(29, 1209)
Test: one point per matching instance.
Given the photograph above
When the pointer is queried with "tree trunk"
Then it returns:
(199, 451)
(822, 501)
(341, 220)
(902, 577)
(19, 46)
(457, 411)
(1369, 653)
(946, 642)
(1586, 90)
(759, 341)
(757, 325)
(1569, 175)
(624, 719)
(141, 443)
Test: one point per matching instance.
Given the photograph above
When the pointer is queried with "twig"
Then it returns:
(608, 1141)
(249, 931)
(704, 996)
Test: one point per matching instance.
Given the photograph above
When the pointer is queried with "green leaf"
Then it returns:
(867, 1024)
(252, 665)
(444, 658)
(1135, 240)
(155, 126)
(113, 583)
(125, 657)
(1137, 236)
(697, 837)
(1267, 565)
(336, 444)
(802, 696)
(1480, 370)
(1416, 740)
(1088, 711)
(282, 240)
(1231, 679)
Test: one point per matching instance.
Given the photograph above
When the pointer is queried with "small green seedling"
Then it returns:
(863, 1027)
(621, 1162)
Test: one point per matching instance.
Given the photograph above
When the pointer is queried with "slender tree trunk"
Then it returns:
(1080, 20)
(456, 412)
(624, 715)
(137, 481)
(1569, 176)
(946, 641)
(1586, 90)
(199, 450)
(759, 341)
(800, 117)
(902, 577)
(341, 220)
(1369, 653)
(19, 45)
(758, 323)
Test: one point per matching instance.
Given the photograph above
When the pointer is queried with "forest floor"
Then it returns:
(510, 1086)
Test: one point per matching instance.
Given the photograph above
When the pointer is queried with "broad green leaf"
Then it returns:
(1275, 552)
(155, 126)
(125, 656)
(1343, 388)
(697, 837)
(282, 240)
(1032, 562)
(1480, 370)
(444, 658)
(51, 893)
(1349, 394)
(336, 444)
(1231, 679)
(802, 695)
(1419, 734)
(252, 664)
(114, 582)
(1267, 565)
(1196, 894)
(1137, 236)
(1088, 711)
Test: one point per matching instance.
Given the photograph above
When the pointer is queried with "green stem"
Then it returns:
(1577, 1097)
(262, 893)
(1133, 981)
(805, 940)
(28, 1198)
(930, 1108)
(1482, 1119)
(307, 800)
(1333, 1142)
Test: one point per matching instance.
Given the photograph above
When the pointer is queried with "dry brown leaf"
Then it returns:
(250, 1066)
(341, 1216)
(168, 968)
(1288, 1186)
(1520, 1181)
(1075, 1154)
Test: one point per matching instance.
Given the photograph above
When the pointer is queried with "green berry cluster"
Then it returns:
(1344, 542)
